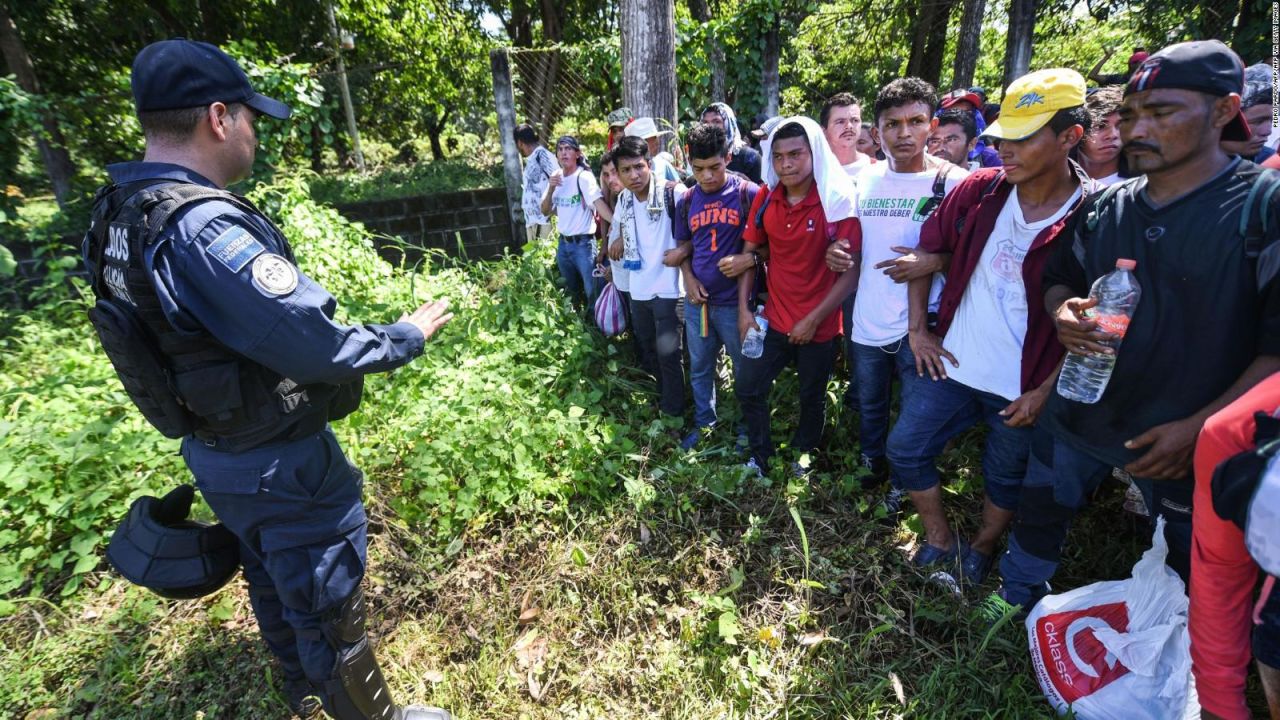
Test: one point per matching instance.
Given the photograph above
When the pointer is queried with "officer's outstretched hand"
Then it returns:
(430, 317)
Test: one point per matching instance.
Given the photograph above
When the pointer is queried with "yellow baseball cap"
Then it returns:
(1034, 98)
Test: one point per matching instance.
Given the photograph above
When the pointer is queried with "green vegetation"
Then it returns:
(539, 546)
(400, 181)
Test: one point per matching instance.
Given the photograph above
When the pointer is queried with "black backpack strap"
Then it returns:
(1254, 225)
(669, 195)
(939, 192)
(940, 181)
(1101, 205)
(744, 202)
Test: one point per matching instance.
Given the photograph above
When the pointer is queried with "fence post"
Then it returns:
(504, 99)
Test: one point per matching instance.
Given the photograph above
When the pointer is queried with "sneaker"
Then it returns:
(691, 440)
(892, 503)
(946, 581)
(974, 566)
(753, 469)
(929, 555)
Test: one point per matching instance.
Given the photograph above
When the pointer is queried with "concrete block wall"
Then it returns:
(472, 224)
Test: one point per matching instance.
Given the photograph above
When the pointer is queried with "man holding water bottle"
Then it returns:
(1207, 326)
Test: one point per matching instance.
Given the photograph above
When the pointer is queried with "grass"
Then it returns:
(622, 600)
(681, 590)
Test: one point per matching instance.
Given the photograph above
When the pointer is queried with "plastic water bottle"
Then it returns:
(753, 344)
(1085, 377)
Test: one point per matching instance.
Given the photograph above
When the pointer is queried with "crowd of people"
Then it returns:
(947, 247)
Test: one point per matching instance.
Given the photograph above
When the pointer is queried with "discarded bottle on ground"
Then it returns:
(1084, 377)
(753, 344)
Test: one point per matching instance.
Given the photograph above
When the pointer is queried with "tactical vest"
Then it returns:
(183, 383)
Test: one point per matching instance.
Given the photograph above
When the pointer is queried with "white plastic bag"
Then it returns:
(1117, 650)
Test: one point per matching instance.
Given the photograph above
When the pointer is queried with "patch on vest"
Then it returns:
(234, 248)
(274, 275)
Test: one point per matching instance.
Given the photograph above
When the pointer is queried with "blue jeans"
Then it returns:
(1058, 484)
(936, 411)
(575, 257)
(876, 368)
(755, 380)
(721, 327)
(296, 509)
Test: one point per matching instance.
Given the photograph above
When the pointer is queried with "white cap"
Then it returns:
(644, 127)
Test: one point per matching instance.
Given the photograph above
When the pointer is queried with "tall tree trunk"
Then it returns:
(921, 26)
(52, 146)
(548, 64)
(770, 58)
(1022, 26)
(715, 52)
(935, 49)
(648, 30)
(968, 44)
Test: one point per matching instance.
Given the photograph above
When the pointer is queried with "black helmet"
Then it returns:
(157, 547)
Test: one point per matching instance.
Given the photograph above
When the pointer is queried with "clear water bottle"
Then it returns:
(1085, 377)
(753, 344)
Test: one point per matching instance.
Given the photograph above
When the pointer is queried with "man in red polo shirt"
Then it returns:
(809, 205)
(1001, 352)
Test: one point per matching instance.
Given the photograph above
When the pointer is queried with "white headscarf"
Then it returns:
(836, 190)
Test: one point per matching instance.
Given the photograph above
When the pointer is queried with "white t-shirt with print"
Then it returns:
(888, 208)
(538, 168)
(990, 326)
(653, 240)
(573, 202)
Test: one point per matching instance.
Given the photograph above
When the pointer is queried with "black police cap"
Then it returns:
(181, 73)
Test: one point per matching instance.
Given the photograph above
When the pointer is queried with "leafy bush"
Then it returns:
(424, 178)
(501, 411)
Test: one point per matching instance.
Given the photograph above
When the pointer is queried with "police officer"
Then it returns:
(219, 338)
